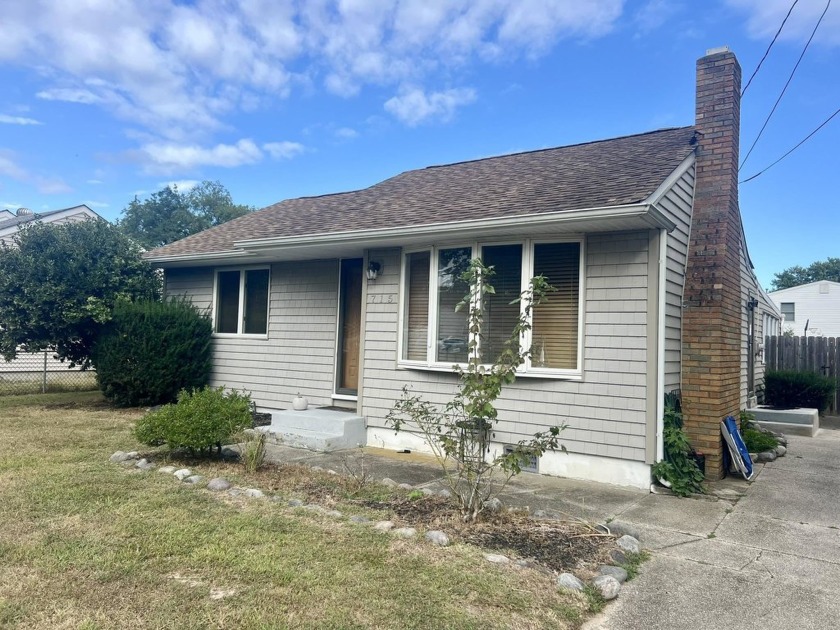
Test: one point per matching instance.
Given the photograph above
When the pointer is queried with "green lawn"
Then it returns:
(85, 543)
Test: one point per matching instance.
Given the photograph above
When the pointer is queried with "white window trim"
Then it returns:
(241, 315)
(527, 370)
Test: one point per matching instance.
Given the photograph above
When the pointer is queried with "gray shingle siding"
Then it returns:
(605, 411)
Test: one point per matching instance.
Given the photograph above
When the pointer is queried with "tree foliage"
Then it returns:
(169, 215)
(828, 269)
(59, 285)
(151, 350)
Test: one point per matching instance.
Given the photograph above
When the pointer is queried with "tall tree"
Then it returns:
(59, 285)
(169, 215)
(828, 269)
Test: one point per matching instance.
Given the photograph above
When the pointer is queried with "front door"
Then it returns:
(349, 326)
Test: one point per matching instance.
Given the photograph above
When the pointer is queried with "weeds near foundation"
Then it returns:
(594, 599)
(634, 562)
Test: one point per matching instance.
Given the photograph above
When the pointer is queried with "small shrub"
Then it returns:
(150, 351)
(788, 389)
(757, 441)
(199, 420)
(678, 468)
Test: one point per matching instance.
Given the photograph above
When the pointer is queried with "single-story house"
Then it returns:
(815, 305)
(346, 298)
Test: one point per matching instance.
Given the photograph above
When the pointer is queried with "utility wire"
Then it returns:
(767, 52)
(784, 89)
(799, 144)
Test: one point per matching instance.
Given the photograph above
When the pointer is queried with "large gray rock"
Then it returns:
(617, 556)
(620, 528)
(628, 544)
(194, 479)
(617, 572)
(384, 526)
(607, 585)
(437, 537)
(182, 474)
(218, 484)
(767, 456)
(388, 482)
(118, 457)
(496, 558)
(144, 464)
(493, 505)
(254, 493)
(404, 532)
(446, 494)
(567, 580)
(781, 450)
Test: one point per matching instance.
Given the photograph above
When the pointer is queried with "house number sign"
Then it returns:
(378, 298)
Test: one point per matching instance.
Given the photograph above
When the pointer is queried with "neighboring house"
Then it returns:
(815, 305)
(346, 298)
(28, 365)
(11, 223)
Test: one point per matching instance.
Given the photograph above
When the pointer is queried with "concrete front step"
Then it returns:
(794, 421)
(316, 429)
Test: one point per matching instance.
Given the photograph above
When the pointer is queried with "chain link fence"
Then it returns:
(39, 372)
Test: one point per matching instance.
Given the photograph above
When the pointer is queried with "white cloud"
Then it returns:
(347, 133)
(96, 204)
(18, 120)
(181, 185)
(85, 97)
(653, 14)
(283, 150)
(414, 106)
(765, 16)
(45, 185)
(168, 157)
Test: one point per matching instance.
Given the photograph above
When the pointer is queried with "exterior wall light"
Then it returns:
(373, 270)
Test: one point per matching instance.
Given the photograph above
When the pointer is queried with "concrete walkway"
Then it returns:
(769, 557)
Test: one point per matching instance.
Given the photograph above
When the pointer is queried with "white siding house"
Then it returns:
(609, 222)
(815, 305)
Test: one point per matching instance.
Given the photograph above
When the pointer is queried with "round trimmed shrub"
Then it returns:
(149, 351)
(201, 419)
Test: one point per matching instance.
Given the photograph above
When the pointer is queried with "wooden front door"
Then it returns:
(349, 326)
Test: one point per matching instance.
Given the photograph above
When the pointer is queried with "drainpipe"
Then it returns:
(660, 346)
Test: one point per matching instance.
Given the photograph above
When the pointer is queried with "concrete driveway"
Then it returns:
(771, 560)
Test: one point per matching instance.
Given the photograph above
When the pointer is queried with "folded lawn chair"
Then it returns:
(737, 449)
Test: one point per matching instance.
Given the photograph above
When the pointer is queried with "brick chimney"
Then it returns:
(711, 346)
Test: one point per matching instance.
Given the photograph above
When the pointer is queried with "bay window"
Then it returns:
(241, 302)
(436, 335)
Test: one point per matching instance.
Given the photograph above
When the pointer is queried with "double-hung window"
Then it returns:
(241, 302)
(434, 334)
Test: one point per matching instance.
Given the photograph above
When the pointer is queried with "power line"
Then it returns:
(767, 52)
(784, 89)
(799, 144)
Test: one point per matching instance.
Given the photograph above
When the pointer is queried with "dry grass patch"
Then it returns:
(88, 544)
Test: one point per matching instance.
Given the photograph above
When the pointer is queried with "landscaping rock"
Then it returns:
(496, 558)
(118, 457)
(437, 537)
(617, 556)
(295, 503)
(782, 440)
(132, 455)
(494, 506)
(330, 471)
(144, 464)
(767, 456)
(405, 532)
(167, 469)
(628, 544)
(620, 528)
(617, 572)
(254, 493)
(194, 479)
(361, 520)
(781, 450)
(182, 474)
(218, 484)
(607, 585)
(405, 486)
(446, 494)
(567, 580)
(388, 482)
(428, 492)
(384, 526)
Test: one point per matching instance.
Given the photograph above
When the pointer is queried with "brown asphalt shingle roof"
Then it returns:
(611, 172)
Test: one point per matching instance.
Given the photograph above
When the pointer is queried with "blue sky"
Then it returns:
(285, 99)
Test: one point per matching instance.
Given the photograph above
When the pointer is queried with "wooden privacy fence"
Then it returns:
(806, 354)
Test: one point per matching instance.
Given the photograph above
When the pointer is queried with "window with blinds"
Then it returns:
(416, 305)
(554, 332)
(436, 335)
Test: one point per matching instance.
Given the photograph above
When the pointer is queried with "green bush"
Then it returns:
(757, 441)
(788, 389)
(678, 468)
(150, 351)
(199, 420)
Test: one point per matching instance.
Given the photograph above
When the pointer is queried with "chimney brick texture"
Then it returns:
(712, 297)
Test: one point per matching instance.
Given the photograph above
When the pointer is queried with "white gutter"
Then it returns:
(660, 346)
(205, 257)
(647, 212)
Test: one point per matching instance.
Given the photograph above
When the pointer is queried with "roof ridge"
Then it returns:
(544, 149)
